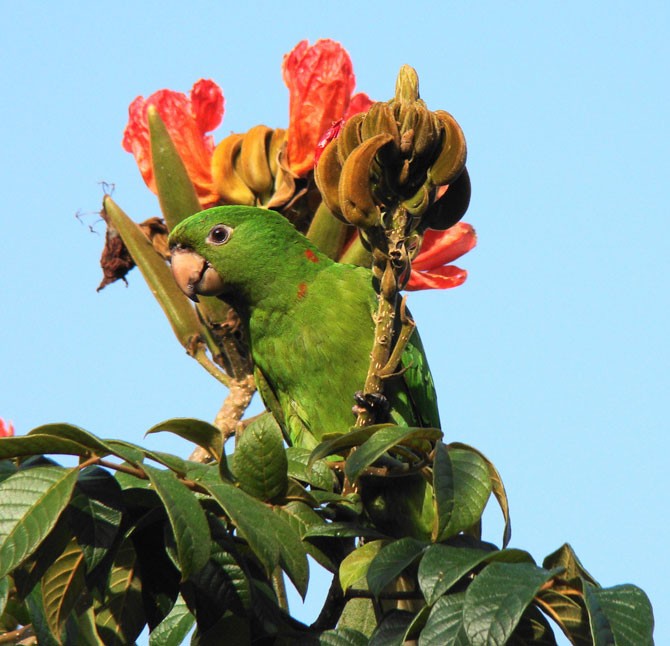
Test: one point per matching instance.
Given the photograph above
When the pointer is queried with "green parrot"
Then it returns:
(309, 320)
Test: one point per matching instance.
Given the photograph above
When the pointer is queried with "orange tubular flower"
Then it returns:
(430, 269)
(320, 80)
(6, 428)
(188, 120)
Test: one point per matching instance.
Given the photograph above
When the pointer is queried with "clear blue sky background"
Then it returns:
(552, 359)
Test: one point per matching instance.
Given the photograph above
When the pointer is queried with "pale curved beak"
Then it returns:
(194, 275)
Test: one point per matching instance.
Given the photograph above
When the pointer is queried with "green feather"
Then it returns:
(310, 323)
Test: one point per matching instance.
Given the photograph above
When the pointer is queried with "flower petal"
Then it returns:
(187, 119)
(442, 247)
(6, 428)
(320, 80)
(439, 278)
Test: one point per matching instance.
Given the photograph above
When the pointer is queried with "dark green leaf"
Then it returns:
(498, 488)
(391, 561)
(472, 488)
(95, 512)
(260, 462)
(391, 631)
(172, 631)
(62, 586)
(533, 630)
(31, 502)
(445, 623)
(120, 619)
(442, 566)
(38, 619)
(383, 440)
(342, 530)
(566, 558)
(197, 431)
(629, 613)
(7, 468)
(317, 473)
(569, 612)
(270, 537)
(16, 447)
(355, 566)
(601, 631)
(343, 637)
(337, 443)
(130, 453)
(497, 598)
(443, 489)
(74, 434)
(189, 524)
(4, 594)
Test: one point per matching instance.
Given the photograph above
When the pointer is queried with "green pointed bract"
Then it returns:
(309, 319)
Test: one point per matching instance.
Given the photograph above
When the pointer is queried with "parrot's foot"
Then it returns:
(374, 403)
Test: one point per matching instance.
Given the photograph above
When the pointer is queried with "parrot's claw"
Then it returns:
(374, 403)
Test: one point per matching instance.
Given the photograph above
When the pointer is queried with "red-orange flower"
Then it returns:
(6, 428)
(320, 80)
(431, 268)
(188, 120)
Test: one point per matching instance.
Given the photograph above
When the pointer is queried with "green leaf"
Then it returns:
(7, 468)
(442, 566)
(31, 502)
(120, 619)
(259, 461)
(533, 629)
(391, 630)
(172, 631)
(188, 521)
(497, 486)
(38, 619)
(130, 453)
(355, 566)
(74, 434)
(197, 431)
(601, 631)
(337, 443)
(565, 557)
(316, 473)
(342, 530)
(62, 586)
(270, 537)
(391, 561)
(95, 512)
(383, 440)
(443, 489)
(569, 612)
(629, 612)
(445, 623)
(497, 598)
(472, 488)
(4, 594)
(343, 637)
(23, 445)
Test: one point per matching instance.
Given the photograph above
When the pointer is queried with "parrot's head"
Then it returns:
(233, 250)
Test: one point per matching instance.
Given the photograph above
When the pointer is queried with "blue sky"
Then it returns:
(552, 359)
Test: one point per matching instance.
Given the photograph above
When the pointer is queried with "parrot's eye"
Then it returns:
(219, 234)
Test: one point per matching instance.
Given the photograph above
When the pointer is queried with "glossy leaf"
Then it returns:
(62, 585)
(334, 444)
(315, 473)
(445, 623)
(24, 445)
(75, 434)
(383, 440)
(442, 566)
(569, 612)
(188, 521)
(601, 631)
(391, 630)
(342, 637)
(566, 558)
(259, 462)
(355, 566)
(472, 488)
(498, 597)
(270, 537)
(120, 619)
(629, 613)
(31, 502)
(173, 630)
(443, 489)
(202, 433)
(95, 514)
(391, 561)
